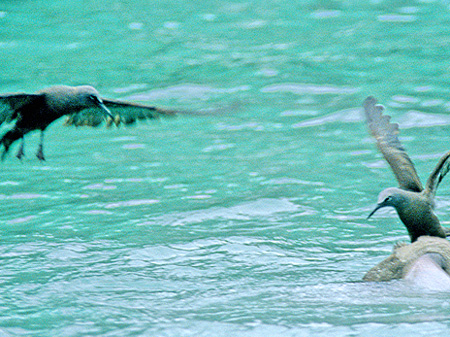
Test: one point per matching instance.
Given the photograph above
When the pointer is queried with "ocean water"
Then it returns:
(245, 216)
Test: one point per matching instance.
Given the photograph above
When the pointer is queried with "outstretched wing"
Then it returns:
(10, 105)
(123, 112)
(439, 172)
(129, 112)
(386, 135)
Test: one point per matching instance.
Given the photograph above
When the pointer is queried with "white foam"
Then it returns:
(415, 118)
(244, 211)
(185, 91)
(345, 116)
(396, 18)
(326, 14)
(131, 203)
(313, 89)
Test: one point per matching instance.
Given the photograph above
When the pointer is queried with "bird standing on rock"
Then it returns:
(82, 105)
(413, 203)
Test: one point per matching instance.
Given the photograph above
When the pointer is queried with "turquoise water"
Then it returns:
(248, 219)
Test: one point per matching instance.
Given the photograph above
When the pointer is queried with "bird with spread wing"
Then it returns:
(81, 104)
(414, 203)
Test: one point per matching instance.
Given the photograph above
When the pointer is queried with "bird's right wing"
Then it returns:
(130, 112)
(10, 105)
(123, 112)
(439, 172)
(386, 135)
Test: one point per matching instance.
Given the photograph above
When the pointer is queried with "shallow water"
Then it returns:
(247, 218)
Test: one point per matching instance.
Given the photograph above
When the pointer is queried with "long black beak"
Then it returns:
(105, 109)
(381, 205)
(99, 102)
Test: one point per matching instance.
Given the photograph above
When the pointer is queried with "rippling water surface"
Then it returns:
(245, 218)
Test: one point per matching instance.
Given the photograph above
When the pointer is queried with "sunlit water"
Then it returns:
(245, 219)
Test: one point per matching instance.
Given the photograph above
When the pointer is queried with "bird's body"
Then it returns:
(82, 104)
(414, 203)
(416, 211)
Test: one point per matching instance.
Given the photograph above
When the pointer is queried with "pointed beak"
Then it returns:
(105, 109)
(380, 205)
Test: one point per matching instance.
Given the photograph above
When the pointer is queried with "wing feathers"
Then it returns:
(11, 104)
(124, 112)
(439, 172)
(386, 135)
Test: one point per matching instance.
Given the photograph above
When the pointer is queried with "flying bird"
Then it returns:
(414, 203)
(83, 105)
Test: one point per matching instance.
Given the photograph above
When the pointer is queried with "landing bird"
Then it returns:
(83, 106)
(413, 203)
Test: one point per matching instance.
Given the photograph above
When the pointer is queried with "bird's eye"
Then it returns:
(95, 99)
(389, 198)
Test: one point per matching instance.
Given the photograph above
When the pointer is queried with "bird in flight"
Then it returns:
(81, 104)
(414, 203)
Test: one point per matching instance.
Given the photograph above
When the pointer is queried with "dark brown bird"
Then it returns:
(83, 106)
(413, 203)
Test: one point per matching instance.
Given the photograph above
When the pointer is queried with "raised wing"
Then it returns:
(10, 105)
(386, 135)
(124, 112)
(439, 172)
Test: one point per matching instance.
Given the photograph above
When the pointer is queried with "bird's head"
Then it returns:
(89, 97)
(392, 196)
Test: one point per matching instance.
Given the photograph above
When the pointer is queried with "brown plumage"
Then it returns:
(83, 106)
(413, 203)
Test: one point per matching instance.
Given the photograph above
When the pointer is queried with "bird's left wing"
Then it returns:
(10, 105)
(386, 135)
(123, 112)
